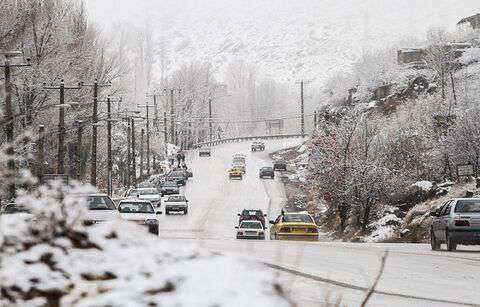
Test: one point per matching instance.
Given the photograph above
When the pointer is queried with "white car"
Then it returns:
(176, 203)
(153, 195)
(140, 212)
(100, 208)
(250, 229)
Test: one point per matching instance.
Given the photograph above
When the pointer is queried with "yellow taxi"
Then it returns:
(294, 226)
(235, 173)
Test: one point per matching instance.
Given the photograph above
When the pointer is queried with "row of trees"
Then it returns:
(361, 160)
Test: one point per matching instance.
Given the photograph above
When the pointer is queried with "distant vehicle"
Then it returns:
(267, 171)
(157, 180)
(235, 173)
(13, 208)
(140, 212)
(240, 166)
(240, 159)
(250, 230)
(456, 222)
(294, 226)
(279, 166)
(204, 152)
(176, 203)
(146, 184)
(151, 194)
(100, 208)
(180, 176)
(252, 215)
(258, 146)
(169, 187)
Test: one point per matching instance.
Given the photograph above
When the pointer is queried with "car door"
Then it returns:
(274, 228)
(436, 224)
(443, 220)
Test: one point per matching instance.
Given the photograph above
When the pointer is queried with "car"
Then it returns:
(157, 180)
(267, 171)
(258, 146)
(145, 184)
(240, 166)
(180, 176)
(204, 152)
(250, 230)
(141, 212)
(169, 187)
(294, 226)
(280, 165)
(151, 194)
(239, 158)
(235, 173)
(252, 215)
(176, 203)
(100, 208)
(456, 222)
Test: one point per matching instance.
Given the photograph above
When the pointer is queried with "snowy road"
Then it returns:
(414, 276)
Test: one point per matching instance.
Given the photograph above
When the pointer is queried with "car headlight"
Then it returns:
(239, 233)
(151, 222)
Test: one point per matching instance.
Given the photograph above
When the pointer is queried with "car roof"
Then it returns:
(134, 200)
(97, 194)
(250, 221)
(299, 212)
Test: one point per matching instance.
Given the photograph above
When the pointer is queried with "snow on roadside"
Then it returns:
(424, 185)
(50, 258)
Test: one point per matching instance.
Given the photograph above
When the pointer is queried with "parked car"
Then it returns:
(235, 173)
(456, 222)
(151, 194)
(12, 208)
(267, 171)
(145, 184)
(250, 230)
(294, 226)
(252, 215)
(169, 187)
(179, 175)
(157, 180)
(280, 165)
(204, 152)
(258, 146)
(176, 203)
(100, 208)
(140, 212)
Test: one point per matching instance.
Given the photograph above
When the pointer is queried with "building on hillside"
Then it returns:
(411, 56)
(382, 91)
(473, 21)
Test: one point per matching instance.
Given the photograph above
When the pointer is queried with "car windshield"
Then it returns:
(176, 198)
(135, 207)
(100, 203)
(176, 173)
(468, 206)
(149, 191)
(251, 225)
(13, 208)
(170, 184)
(267, 168)
(252, 213)
(297, 218)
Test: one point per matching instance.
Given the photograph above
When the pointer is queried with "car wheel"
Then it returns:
(434, 242)
(185, 211)
(272, 236)
(167, 212)
(451, 244)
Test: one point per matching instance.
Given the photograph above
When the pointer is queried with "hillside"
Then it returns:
(287, 40)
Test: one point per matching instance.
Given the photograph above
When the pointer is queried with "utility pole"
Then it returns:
(9, 119)
(165, 133)
(109, 147)
(172, 114)
(147, 107)
(315, 120)
(61, 123)
(134, 167)
(210, 123)
(129, 161)
(41, 152)
(79, 149)
(142, 137)
(302, 111)
(95, 86)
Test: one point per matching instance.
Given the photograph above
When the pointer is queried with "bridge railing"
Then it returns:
(247, 138)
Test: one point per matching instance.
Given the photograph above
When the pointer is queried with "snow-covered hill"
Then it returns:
(288, 40)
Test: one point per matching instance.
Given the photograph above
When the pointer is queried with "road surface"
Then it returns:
(315, 272)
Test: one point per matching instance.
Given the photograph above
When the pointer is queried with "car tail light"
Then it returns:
(285, 229)
(312, 230)
(463, 223)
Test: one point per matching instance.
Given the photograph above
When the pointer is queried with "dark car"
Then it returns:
(258, 146)
(456, 222)
(169, 188)
(267, 171)
(180, 176)
(252, 214)
(205, 152)
(279, 166)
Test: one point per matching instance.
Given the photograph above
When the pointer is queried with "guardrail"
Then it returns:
(247, 138)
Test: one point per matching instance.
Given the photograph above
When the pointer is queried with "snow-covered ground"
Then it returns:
(414, 275)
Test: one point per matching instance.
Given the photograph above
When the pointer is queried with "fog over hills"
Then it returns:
(287, 40)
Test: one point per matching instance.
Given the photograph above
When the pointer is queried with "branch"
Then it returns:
(377, 279)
